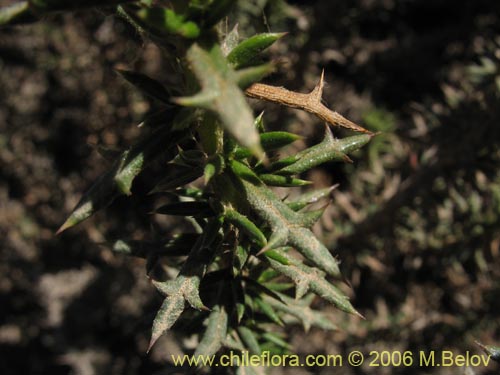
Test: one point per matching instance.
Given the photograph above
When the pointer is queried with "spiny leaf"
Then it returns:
(279, 238)
(215, 333)
(268, 311)
(246, 52)
(221, 95)
(169, 312)
(244, 224)
(232, 341)
(186, 287)
(238, 298)
(248, 76)
(330, 149)
(282, 163)
(308, 219)
(256, 289)
(286, 223)
(100, 195)
(283, 181)
(267, 275)
(270, 141)
(244, 171)
(309, 198)
(147, 85)
(313, 279)
(119, 179)
(279, 286)
(134, 160)
(213, 167)
(239, 260)
(276, 339)
(493, 351)
(302, 312)
(249, 338)
(166, 21)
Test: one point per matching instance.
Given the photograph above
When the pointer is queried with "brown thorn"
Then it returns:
(317, 93)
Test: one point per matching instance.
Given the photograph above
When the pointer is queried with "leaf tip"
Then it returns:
(358, 314)
(66, 225)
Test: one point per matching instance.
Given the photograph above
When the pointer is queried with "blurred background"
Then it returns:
(415, 220)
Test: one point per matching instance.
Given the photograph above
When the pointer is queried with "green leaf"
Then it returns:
(308, 219)
(238, 295)
(118, 180)
(307, 278)
(246, 52)
(221, 95)
(100, 195)
(215, 333)
(186, 287)
(282, 163)
(248, 76)
(245, 225)
(311, 197)
(330, 149)
(147, 85)
(279, 286)
(279, 238)
(283, 181)
(169, 312)
(166, 21)
(268, 311)
(214, 167)
(244, 171)
(285, 226)
(249, 338)
(278, 257)
(134, 160)
(302, 312)
(239, 259)
(493, 351)
(276, 339)
(270, 141)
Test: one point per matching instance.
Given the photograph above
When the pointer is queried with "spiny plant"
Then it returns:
(220, 163)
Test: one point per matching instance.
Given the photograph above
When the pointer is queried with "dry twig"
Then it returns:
(308, 102)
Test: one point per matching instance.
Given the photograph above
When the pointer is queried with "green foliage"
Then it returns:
(232, 272)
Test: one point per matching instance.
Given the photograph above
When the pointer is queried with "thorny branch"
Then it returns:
(308, 102)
